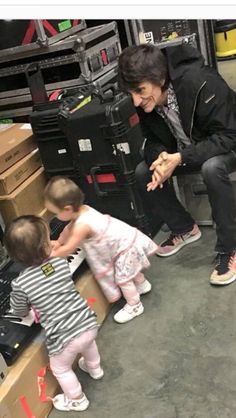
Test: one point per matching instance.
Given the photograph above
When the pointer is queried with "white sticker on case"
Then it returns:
(62, 151)
(85, 144)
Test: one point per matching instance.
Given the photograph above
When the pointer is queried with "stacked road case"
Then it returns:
(162, 31)
(75, 60)
(18, 36)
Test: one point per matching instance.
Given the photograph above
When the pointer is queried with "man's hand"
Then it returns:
(163, 168)
(163, 156)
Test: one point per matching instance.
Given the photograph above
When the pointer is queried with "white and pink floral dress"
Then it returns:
(116, 253)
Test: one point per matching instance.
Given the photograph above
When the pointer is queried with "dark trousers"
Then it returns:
(215, 172)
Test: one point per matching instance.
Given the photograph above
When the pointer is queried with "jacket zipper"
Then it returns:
(194, 107)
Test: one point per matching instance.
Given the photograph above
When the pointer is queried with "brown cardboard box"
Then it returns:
(5, 126)
(89, 288)
(22, 381)
(16, 141)
(20, 171)
(22, 376)
(27, 199)
(46, 215)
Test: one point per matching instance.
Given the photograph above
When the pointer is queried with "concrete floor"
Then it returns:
(178, 359)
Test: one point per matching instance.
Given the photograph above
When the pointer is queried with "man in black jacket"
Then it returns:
(188, 117)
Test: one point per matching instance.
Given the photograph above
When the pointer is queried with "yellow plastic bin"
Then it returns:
(225, 38)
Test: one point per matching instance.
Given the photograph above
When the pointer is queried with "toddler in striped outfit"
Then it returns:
(69, 323)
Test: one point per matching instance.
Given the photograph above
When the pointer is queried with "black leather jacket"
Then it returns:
(207, 109)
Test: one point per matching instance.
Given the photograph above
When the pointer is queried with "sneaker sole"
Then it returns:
(65, 409)
(216, 283)
(184, 243)
(62, 407)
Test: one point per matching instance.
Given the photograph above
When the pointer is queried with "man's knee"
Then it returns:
(212, 168)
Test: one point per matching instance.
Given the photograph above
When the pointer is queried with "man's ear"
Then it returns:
(164, 84)
(68, 208)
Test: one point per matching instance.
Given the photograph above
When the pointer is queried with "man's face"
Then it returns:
(147, 96)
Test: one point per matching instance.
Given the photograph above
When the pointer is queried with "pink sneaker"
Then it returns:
(175, 242)
(225, 270)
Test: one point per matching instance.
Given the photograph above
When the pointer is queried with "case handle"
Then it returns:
(96, 170)
(101, 93)
(36, 83)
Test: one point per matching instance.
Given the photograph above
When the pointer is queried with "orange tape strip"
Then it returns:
(91, 301)
(42, 385)
(26, 407)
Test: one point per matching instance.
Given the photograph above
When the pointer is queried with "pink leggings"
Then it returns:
(130, 291)
(61, 364)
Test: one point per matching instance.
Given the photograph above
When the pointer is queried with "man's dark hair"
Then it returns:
(139, 63)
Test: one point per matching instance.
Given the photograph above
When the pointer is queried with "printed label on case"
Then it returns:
(85, 144)
(62, 151)
(146, 38)
(123, 147)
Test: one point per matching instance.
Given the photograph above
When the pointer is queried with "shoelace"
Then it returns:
(222, 261)
(173, 238)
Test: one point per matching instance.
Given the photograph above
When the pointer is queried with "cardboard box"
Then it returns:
(46, 215)
(27, 199)
(5, 126)
(89, 288)
(22, 376)
(16, 141)
(22, 381)
(20, 171)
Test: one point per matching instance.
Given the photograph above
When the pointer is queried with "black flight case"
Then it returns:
(105, 139)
